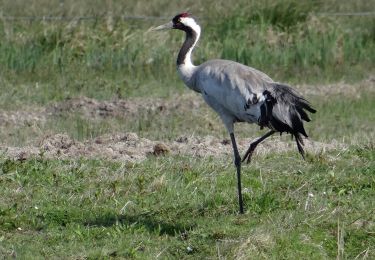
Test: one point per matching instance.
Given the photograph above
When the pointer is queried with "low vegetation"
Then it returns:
(95, 73)
(107, 56)
(181, 207)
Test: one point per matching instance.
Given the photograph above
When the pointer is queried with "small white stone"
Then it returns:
(311, 195)
(189, 249)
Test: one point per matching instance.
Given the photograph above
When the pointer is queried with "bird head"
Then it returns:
(182, 21)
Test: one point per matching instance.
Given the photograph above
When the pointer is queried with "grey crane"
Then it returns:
(239, 93)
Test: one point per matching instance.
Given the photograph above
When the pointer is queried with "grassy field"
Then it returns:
(111, 57)
(106, 75)
(182, 207)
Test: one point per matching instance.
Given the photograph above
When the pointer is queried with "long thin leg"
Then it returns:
(237, 163)
(254, 144)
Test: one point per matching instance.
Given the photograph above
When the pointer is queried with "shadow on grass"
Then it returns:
(148, 221)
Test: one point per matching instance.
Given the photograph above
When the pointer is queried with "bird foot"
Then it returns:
(248, 157)
(249, 154)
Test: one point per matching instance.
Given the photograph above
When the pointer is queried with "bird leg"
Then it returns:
(237, 163)
(254, 144)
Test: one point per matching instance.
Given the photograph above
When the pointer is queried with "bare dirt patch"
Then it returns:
(123, 107)
(26, 116)
(130, 147)
(92, 108)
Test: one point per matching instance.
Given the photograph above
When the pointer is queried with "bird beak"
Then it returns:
(166, 26)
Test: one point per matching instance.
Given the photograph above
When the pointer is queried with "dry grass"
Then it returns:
(258, 244)
(129, 147)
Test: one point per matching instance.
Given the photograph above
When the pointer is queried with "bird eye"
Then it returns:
(178, 24)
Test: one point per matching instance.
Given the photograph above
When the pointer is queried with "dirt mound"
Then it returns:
(121, 107)
(27, 116)
(130, 147)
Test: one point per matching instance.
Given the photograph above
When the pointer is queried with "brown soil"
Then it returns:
(120, 107)
(27, 116)
(130, 147)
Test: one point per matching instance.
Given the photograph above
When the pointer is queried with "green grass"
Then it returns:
(92, 209)
(349, 120)
(97, 58)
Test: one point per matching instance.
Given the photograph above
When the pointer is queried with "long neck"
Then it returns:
(192, 37)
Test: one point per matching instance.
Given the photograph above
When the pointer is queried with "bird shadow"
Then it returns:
(149, 221)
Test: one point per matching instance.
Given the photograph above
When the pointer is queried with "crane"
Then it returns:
(239, 93)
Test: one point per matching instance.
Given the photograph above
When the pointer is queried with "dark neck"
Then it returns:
(191, 37)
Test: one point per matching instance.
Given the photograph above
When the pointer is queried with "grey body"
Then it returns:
(232, 89)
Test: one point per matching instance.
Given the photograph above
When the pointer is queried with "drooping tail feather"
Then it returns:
(299, 142)
(288, 112)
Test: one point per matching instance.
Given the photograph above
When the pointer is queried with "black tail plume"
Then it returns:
(288, 112)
